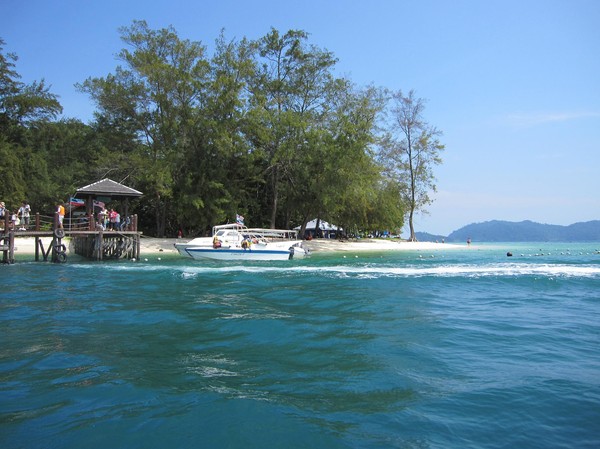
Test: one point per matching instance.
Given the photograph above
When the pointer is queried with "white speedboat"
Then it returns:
(236, 242)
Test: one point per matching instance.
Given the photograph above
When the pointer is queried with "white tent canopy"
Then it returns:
(323, 226)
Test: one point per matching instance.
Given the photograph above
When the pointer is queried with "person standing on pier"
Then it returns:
(24, 212)
(117, 225)
(14, 220)
(112, 217)
(61, 214)
(103, 217)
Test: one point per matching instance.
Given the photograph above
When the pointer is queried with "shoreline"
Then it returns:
(153, 245)
(328, 245)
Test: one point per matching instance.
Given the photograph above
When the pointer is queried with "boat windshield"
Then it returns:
(226, 233)
(235, 230)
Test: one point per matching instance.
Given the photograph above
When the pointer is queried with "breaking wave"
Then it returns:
(470, 271)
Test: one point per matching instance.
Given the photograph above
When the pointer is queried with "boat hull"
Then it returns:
(238, 254)
(236, 242)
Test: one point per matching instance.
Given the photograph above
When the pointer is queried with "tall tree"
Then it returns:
(22, 103)
(410, 151)
(158, 91)
(218, 173)
(352, 178)
(24, 108)
(287, 94)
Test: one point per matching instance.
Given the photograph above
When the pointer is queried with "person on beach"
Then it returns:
(24, 212)
(61, 214)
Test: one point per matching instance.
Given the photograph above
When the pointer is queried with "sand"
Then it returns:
(151, 245)
(375, 245)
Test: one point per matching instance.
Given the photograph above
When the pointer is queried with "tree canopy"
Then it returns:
(410, 150)
(263, 128)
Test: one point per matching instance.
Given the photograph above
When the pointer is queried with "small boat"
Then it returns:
(237, 242)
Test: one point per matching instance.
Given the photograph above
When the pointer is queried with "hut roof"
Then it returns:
(108, 187)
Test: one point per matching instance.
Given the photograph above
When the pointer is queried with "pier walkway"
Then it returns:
(85, 239)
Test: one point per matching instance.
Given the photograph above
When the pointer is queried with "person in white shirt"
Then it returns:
(24, 212)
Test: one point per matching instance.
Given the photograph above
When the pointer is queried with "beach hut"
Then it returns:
(105, 191)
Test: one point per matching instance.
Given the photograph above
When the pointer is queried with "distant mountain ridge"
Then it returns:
(524, 231)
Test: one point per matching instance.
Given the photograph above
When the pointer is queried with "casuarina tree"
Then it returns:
(409, 151)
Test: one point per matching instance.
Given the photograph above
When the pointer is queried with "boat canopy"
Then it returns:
(264, 233)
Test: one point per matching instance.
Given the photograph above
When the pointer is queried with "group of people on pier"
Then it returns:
(18, 219)
(109, 220)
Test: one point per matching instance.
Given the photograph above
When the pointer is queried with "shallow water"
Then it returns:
(438, 349)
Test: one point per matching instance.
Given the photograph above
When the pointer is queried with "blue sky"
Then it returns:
(513, 85)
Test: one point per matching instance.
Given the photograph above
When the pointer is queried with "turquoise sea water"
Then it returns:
(446, 349)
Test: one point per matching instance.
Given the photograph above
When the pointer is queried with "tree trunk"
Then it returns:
(303, 227)
(160, 217)
(412, 237)
(275, 188)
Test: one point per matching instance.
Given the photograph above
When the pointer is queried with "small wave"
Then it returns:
(255, 316)
(370, 271)
(211, 371)
(412, 271)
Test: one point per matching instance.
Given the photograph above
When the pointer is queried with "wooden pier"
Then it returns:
(86, 240)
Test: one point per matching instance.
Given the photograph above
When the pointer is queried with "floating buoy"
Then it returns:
(509, 254)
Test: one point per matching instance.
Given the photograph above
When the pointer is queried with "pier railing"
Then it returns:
(90, 239)
(80, 223)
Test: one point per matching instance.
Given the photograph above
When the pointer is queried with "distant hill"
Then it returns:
(426, 237)
(527, 231)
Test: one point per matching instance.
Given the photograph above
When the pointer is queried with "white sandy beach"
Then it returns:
(330, 245)
(151, 245)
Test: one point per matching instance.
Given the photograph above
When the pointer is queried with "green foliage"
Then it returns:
(260, 128)
(409, 151)
(23, 104)
(24, 111)
(12, 187)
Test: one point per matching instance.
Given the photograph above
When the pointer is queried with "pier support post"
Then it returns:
(11, 247)
(7, 241)
(100, 246)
